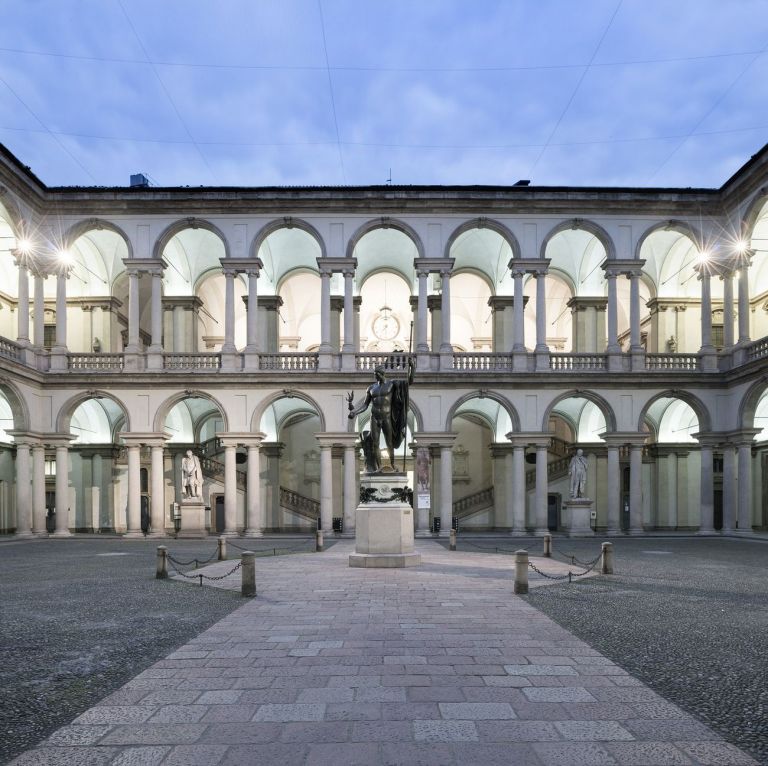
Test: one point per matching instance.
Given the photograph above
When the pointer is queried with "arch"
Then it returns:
(514, 418)
(585, 225)
(385, 223)
(485, 223)
(475, 272)
(285, 223)
(15, 218)
(590, 396)
(18, 405)
(752, 213)
(187, 223)
(64, 417)
(681, 227)
(172, 401)
(80, 228)
(262, 407)
(749, 402)
(699, 408)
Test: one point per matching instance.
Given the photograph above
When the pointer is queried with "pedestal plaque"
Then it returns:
(577, 517)
(383, 530)
(192, 519)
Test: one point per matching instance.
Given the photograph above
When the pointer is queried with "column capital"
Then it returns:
(58, 440)
(629, 267)
(709, 439)
(500, 449)
(144, 438)
(436, 265)
(242, 265)
(621, 438)
(27, 438)
(434, 438)
(337, 438)
(529, 438)
(741, 437)
(137, 266)
(241, 438)
(536, 266)
(330, 265)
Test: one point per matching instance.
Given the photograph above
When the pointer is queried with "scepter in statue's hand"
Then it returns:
(350, 401)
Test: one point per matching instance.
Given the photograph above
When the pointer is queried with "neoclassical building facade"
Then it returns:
(139, 322)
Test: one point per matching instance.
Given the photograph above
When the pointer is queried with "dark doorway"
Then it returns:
(218, 514)
(717, 499)
(553, 512)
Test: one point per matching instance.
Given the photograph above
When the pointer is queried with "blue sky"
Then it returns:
(326, 92)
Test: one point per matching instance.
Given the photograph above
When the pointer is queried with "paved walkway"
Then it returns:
(439, 664)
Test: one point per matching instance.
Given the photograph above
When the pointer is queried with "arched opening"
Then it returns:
(290, 465)
(9, 275)
(758, 275)
(559, 329)
(7, 465)
(297, 317)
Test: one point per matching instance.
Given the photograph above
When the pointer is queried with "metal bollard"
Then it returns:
(606, 563)
(162, 563)
(548, 546)
(319, 541)
(452, 540)
(222, 548)
(248, 569)
(521, 572)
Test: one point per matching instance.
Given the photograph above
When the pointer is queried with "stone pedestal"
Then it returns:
(192, 519)
(384, 530)
(576, 519)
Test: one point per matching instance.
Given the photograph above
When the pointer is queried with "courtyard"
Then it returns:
(662, 662)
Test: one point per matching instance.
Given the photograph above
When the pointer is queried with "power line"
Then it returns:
(330, 88)
(165, 90)
(575, 90)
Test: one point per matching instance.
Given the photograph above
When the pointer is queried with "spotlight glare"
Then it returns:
(742, 246)
(64, 256)
(702, 257)
(24, 246)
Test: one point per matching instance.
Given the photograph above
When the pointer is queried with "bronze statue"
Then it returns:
(388, 400)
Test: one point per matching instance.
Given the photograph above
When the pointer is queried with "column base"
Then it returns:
(739, 532)
(520, 361)
(155, 359)
(251, 360)
(348, 361)
(158, 534)
(23, 536)
(133, 361)
(423, 533)
(542, 360)
(253, 533)
(541, 531)
(134, 535)
(230, 360)
(636, 532)
(58, 359)
(707, 533)
(60, 533)
(614, 532)
(615, 361)
(229, 533)
(446, 360)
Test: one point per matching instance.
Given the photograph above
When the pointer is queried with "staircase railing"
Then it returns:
(300, 504)
(474, 502)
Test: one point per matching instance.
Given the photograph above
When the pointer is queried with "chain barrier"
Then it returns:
(495, 548)
(284, 548)
(571, 556)
(589, 567)
(206, 577)
(196, 562)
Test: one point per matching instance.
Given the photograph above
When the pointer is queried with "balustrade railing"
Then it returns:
(580, 362)
(215, 470)
(556, 469)
(396, 360)
(758, 350)
(482, 362)
(301, 504)
(288, 362)
(10, 350)
(192, 361)
(672, 362)
(95, 362)
(481, 499)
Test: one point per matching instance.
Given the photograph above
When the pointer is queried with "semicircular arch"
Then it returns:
(388, 223)
(593, 228)
(164, 409)
(502, 401)
(693, 401)
(265, 404)
(282, 223)
(177, 227)
(18, 405)
(77, 230)
(591, 396)
(67, 410)
(485, 223)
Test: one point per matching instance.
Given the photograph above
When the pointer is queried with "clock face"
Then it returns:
(386, 327)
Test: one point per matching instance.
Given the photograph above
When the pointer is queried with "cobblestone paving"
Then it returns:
(687, 617)
(439, 664)
(80, 617)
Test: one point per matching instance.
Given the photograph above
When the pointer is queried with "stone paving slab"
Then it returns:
(439, 664)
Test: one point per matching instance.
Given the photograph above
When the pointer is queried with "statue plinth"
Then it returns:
(383, 526)
(576, 520)
(192, 517)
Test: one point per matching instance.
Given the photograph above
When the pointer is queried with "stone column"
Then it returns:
(134, 491)
(178, 330)
(613, 315)
(706, 526)
(62, 491)
(23, 495)
(446, 490)
(326, 488)
(350, 487)
(614, 491)
(518, 327)
(518, 490)
(634, 312)
(228, 347)
(157, 312)
(349, 316)
(706, 312)
(133, 311)
(255, 526)
(502, 519)
(230, 490)
(744, 303)
(157, 500)
(445, 314)
(542, 489)
(253, 343)
(60, 350)
(541, 311)
(745, 487)
(727, 311)
(422, 347)
(636, 489)
(325, 310)
(729, 487)
(22, 314)
(38, 491)
(39, 310)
